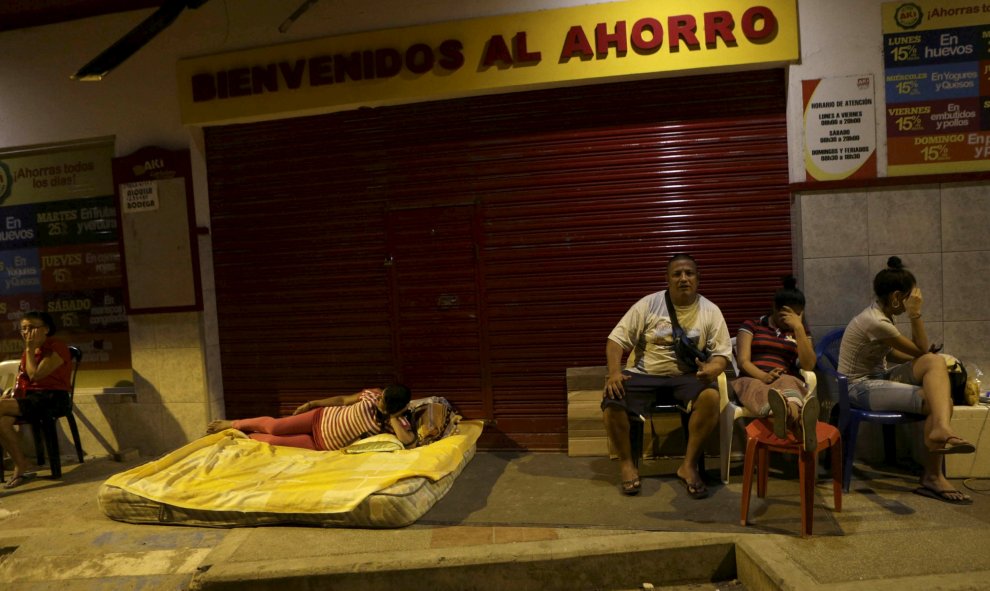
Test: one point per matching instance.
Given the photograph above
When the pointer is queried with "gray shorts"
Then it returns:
(642, 391)
(895, 390)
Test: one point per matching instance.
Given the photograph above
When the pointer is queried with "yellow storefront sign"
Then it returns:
(600, 42)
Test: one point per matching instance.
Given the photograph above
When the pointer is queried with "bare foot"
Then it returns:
(219, 425)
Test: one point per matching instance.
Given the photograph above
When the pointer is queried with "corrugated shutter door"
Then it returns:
(576, 197)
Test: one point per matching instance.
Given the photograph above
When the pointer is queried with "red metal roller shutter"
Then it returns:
(575, 198)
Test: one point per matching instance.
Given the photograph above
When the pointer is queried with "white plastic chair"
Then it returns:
(730, 412)
(8, 373)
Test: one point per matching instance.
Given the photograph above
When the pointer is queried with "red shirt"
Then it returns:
(60, 379)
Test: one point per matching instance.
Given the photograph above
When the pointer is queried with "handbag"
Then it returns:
(958, 381)
(684, 349)
(433, 419)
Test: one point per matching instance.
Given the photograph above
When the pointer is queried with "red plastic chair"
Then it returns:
(760, 440)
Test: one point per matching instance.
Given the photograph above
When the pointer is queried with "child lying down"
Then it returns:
(332, 423)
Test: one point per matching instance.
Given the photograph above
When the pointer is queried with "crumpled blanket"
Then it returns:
(227, 471)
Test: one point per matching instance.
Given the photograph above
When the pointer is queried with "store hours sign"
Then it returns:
(839, 128)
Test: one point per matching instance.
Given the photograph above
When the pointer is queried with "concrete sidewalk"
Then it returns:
(518, 521)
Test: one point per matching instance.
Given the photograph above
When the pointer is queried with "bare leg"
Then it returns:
(934, 480)
(704, 417)
(617, 427)
(930, 371)
(10, 438)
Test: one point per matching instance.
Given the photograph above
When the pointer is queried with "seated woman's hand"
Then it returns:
(912, 303)
(791, 319)
(772, 375)
(304, 407)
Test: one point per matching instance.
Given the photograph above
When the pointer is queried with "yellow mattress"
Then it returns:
(227, 480)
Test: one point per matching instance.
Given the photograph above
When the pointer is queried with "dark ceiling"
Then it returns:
(20, 14)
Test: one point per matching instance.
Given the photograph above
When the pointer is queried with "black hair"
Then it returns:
(44, 317)
(894, 278)
(681, 256)
(789, 295)
(396, 397)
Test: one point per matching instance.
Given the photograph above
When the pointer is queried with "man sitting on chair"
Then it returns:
(653, 370)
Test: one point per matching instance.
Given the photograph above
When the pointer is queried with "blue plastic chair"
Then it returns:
(827, 350)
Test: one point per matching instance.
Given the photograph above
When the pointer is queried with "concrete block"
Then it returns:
(587, 427)
(584, 408)
(587, 447)
(586, 378)
(588, 396)
(970, 423)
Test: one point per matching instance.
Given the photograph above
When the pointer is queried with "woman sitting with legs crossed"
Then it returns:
(916, 382)
(770, 351)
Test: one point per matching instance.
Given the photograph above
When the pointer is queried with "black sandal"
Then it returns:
(631, 487)
(20, 479)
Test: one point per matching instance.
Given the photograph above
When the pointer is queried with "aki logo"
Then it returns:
(908, 16)
(6, 182)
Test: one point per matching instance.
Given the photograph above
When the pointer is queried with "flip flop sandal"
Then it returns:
(631, 487)
(778, 412)
(963, 447)
(944, 495)
(696, 490)
(809, 423)
(21, 479)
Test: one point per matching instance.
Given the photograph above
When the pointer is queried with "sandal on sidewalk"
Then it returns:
(696, 490)
(20, 479)
(631, 487)
(951, 496)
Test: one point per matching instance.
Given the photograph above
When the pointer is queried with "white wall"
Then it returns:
(176, 356)
(838, 38)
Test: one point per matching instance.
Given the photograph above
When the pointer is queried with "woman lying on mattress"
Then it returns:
(332, 423)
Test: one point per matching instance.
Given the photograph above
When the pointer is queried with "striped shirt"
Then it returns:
(335, 427)
(771, 348)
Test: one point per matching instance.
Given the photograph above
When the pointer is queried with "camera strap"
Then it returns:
(678, 331)
(679, 334)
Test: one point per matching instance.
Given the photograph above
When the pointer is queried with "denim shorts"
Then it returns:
(894, 390)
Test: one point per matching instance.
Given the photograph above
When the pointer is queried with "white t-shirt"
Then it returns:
(647, 333)
(862, 351)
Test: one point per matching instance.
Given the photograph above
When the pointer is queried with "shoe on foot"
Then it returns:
(778, 410)
(809, 423)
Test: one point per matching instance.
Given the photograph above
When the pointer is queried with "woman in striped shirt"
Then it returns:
(770, 352)
(332, 423)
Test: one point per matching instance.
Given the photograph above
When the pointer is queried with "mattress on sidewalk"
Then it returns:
(229, 480)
